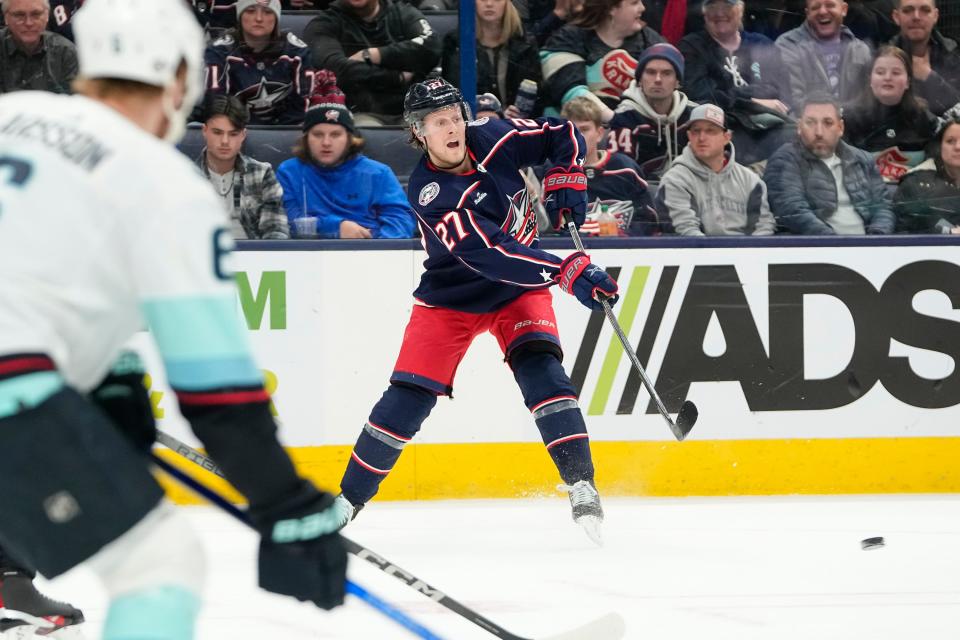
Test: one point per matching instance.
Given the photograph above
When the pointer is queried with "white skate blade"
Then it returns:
(591, 525)
(609, 627)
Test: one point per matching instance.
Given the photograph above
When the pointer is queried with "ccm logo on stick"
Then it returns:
(394, 570)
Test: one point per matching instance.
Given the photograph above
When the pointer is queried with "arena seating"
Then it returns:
(275, 144)
(296, 21)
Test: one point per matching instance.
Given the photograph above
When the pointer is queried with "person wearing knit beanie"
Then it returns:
(661, 51)
(329, 108)
(271, 5)
(327, 146)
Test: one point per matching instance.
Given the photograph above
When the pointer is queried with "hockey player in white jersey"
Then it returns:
(105, 229)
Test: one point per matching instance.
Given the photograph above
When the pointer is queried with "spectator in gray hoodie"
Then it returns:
(705, 192)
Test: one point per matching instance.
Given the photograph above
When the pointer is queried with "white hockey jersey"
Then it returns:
(105, 229)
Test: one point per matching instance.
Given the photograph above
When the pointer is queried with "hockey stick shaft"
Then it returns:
(352, 587)
(627, 347)
(688, 412)
(355, 548)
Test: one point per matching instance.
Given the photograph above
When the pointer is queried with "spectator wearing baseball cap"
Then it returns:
(332, 190)
(742, 73)
(706, 192)
(648, 124)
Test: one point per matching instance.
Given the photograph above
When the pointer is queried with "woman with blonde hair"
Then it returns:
(506, 56)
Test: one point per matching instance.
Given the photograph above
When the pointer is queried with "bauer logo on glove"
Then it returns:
(587, 281)
(565, 195)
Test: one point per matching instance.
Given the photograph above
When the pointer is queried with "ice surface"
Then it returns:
(778, 568)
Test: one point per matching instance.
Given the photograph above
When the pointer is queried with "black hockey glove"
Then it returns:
(301, 553)
(565, 195)
(585, 280)
(126, 401)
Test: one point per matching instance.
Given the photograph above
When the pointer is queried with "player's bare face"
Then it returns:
(223, 138)
(328, 144)
(445, 137)
(26, 19)
(257, 23)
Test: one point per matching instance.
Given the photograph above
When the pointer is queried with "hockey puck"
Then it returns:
(872, 543)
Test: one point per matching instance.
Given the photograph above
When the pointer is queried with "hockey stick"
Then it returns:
(687, 417)
(608, 627)
(352, 587)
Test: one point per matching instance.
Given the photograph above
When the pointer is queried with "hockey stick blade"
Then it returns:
(412, 581)
(687, 417)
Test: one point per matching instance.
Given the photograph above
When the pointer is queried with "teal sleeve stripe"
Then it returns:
(160, 613)
(203, 342)
(200, 375)
(28, 391)
(573, 92)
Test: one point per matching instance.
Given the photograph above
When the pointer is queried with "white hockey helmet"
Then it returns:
(144, 41)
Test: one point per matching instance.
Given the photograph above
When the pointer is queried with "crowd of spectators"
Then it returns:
(701, 117)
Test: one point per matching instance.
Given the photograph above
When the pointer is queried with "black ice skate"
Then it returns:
(587, 512)
(21, 605)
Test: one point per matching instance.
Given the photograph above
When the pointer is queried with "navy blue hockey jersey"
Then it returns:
(479, 229)
(275, 83)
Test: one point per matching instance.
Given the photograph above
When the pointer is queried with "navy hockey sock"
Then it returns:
(394, 421)
(551, 398)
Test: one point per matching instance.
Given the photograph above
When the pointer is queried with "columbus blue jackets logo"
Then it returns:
(266, 96)
(521, 222)
(428, 193)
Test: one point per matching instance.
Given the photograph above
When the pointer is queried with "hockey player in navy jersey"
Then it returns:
(268, 69)
(484, 272)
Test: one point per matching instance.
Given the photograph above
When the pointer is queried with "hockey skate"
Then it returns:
(345, 510)
(587, 512)
(25, 611)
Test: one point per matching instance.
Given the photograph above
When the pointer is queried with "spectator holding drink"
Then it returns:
(330, 189)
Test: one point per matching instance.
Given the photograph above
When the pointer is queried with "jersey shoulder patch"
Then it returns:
(428, 194)
(479, 122)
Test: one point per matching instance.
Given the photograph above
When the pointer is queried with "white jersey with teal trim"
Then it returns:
(105, 229)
